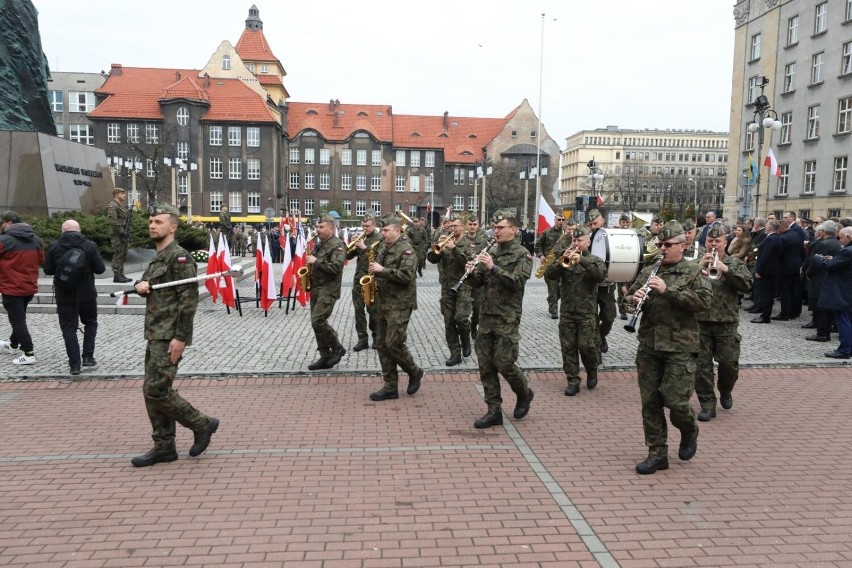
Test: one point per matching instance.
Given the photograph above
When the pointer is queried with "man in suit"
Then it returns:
(766, 271)
(836, 294)
(825, 244)
(792, 253)
(709, 219)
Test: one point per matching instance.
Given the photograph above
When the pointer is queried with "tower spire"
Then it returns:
(253, 22)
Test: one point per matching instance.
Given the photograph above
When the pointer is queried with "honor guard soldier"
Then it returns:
(326, 265)
(545, 245)
(118, 214)
(361, 251)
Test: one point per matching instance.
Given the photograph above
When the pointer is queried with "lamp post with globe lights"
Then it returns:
(766, 118)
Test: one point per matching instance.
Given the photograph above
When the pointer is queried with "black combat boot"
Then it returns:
(360, 346)
(414, 382)
(726, 400)
(591, 379)
(522, 407)
(466, 351)
(688, 446)
(121, 279)
(155, 455)
(707, 414)
(651, 464)
(336, 356)
(572, 389)
(385, 393)
(321, 363)
(203, 437)
(454, 359)
(494, 417)
(604, 345)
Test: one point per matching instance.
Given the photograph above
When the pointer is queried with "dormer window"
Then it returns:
(471, 135)
(312, 112)
(264, 68)
(362, 113)
(226, 62)
(415, 134)
(250, 67)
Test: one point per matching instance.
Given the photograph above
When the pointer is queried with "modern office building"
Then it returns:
(72, 97)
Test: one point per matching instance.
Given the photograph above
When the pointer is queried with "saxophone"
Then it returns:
(304, 273)
(368, 282)
(548, 260)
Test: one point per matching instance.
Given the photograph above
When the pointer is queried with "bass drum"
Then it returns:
(621, 250)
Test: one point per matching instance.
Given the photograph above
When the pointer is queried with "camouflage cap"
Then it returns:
(327, 219)
(688, 224)
(118, 190)
(716, 231)
(163, 208)
(454, 217)
(369, 217)
(624, 217)
(671, 230)
(580, 232)
(389, 220)
(11, 217)
(592, 215)
(505, 214)
(657, 219)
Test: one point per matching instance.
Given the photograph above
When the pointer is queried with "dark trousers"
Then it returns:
(791, 295)
(822, 321)
(765, 287)
(844, 329)
(16, 310)
(85, 312)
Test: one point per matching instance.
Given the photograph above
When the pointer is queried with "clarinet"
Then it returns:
(468, 272)
(637, 311)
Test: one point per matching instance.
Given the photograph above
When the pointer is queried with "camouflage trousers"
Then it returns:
(622, 301)
(476, 298)
(497, 351)
(421, 258)
(719, 341)
(392, 333)
(456, 307)
(321, 309)
(362, 311)
(606, 305)
(579, 335)
(666, 380)
(119, 254)
(165, 406)
(552, 294)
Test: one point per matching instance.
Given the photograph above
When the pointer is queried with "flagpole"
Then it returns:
(538, 133)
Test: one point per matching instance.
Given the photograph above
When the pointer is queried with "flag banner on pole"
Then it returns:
(772, 164)
(212, 268)
(225, 284)
(752, 167)
(268, 293)
(546, 216)
(298, 262)
(288, 274)
(599, 200)
(258, 258)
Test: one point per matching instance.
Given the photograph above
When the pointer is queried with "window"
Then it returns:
(183, 150)
(309, 206)
(749, 141)
(347, 207)
(152, 134)
(400, 158)
(294, 155)
(81, 101)
(399, 184)
(832, 213)
(376, 206)
(412, 211)
(414, 184)
(458, 202)
(215, 135)
(753, 89)
(377, 158)
(113, 133)
(841, 165)
(793, 30)
(183, 116)
(361, 158)
(430, 159)
(430, 184)
(414, 160)
(346, 157)
(784, 179)
(361, 182)
(234, 136)
(253, 202)
(81, 133)
(325, 181)
(816, 67)
(325, 156)
(253, 168)
(235, 168)
(360, 208)
(458, 173)
(183, 186)
(133, 133)
(755, 47)
(848, 15)
(786, 127)
(844, 116)
(235, 202)
(846, 59)
(264, 68)
(226, 62)
(789, 77)
(310, 156)
(149, 168)
(294, 205)
(55, 98)
(810, 177)
(821, 18)
(813, 122)
(309, 180)
(346, 182)
(216, 169)
(376, 183)
(323, 205)
(215, 201)
(253, 137)
(471, 203)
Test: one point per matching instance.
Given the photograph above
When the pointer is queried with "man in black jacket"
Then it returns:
(767, 270)
(76, 296)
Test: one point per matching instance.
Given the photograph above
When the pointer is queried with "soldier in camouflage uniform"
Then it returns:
(544, 245)
(417, 236)
(578, 324)
(455, 306)
(477, 240)
(361, 252)
(117, 212)
(169, 315)
(502, 273)
(606, 290)
(395, 270)
(668, 347)
(326, 264)
(225, 225)
(718, 326)
(693, 251)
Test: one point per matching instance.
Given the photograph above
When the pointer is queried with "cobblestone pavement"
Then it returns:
(279, 342)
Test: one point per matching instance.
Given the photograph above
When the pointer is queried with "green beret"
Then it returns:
(388, 220)
(592, 215)
(624, 217)
(688, 224)
(327, 219)
(716, 231)
(671, 230)
(580, 231)
(11, 216)
(657, 219)
(163, 208)
(504, 214)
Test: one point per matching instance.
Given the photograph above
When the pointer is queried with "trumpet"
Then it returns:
(406, 220)
(713, 272)
(571, 257)
(637, 309)
(439, 245)
(652, 248)
(355, 240)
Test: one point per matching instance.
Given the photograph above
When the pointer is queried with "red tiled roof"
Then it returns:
(254, 47)
(462, 140)
(231, 100)
(268, 79)
(186, 88)
(375, 119)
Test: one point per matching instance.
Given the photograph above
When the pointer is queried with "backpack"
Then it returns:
(71, 267)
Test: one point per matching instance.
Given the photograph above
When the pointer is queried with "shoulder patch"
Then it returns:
(181, 260)
(529, 256)
(408, 252)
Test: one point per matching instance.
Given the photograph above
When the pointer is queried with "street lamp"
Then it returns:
(768, 118)
(595, 174)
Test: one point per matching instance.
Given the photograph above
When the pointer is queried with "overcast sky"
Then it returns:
(630, 63)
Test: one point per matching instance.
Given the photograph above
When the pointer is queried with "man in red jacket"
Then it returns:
(21, 253)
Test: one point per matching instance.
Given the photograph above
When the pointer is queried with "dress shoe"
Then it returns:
(837, 355)
(726, 400)
(203, 437)
(360, 346)
(154, 456)
(604, 346)
(466, 351)
(623, 316)
(414, 382)
(75, 370)
(494, 417)
(707, 414)
(591, 379)
(89, 361)
(572, 390)
(384, 393)
(321, 363)
(336, 356)
(779, 317)
(809, 325)
(688, 446)
(121, 279)
(760, 320)
(652, 464)
(522, 407)
(754, 310)
(818, 337)
(454, 359)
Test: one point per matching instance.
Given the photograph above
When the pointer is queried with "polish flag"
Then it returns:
(599, 200)
(268, 293)
(283, 237)
(225, 283)
(258, 258)
(288, 274)
(772, 164)
(212, 268)
(546, 216)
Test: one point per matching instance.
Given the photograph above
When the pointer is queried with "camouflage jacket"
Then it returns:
(694, 252)
(169, 312)
(117, 214)
(396, 283)
(504, 283)
(546, 241)
(578, 285)
(669, 321)
(726, 292)
(452, 261)
(362, 266)
(225, 222)
(478, 241)
(418, 238)
(327, 271)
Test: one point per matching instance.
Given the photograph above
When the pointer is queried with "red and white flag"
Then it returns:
(268, 292)
(772, 164)
(546, 216)
(258, 258)
(212, 268)
(449, 212)
(599, 200)
(288, 274)
(225, 283)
